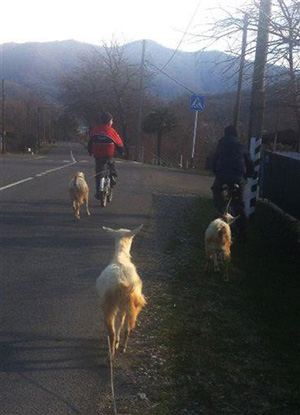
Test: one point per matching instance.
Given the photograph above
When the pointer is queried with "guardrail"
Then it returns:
(149, 157)
(280, 181)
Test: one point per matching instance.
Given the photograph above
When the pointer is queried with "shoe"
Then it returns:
(113, 180)
(97, 196)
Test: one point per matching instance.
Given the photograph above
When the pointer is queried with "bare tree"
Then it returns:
(104, 81)
(284, 45)
(285, 49)
(121, 84)
(159, 121)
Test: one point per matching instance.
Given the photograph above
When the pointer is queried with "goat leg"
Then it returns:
(110, 324)
(87, 206)
(121, 324)
(215, 260)
(125, 340)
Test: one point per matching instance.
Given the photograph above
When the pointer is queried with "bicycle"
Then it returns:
(105, 188)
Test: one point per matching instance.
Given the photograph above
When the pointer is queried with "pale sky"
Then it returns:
(92, 21)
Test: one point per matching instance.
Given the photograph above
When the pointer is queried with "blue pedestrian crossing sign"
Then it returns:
(197, 103)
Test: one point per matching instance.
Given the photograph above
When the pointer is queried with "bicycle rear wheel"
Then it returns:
(110, 195)
(103, 199)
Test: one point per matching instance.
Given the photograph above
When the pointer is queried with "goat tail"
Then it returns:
(119, 296)
(137, 299)
(137, 302)
(224, 235)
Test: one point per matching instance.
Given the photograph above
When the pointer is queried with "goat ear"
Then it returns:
(233, 219)
(136, 230)
(109, 230)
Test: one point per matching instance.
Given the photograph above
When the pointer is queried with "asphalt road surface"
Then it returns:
(52, 358)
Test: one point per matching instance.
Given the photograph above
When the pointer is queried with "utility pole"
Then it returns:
(257, 106)
(39, 127)
(3, 149)
(141, 92)
(27, 124)
(194, 139)
(258, 83)
(241, 73)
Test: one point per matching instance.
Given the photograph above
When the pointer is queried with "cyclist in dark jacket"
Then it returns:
(232, 164)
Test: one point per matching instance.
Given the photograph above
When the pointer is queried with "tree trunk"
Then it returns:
(159, 140)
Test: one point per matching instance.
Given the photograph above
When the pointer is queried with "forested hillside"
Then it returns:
(40, 65)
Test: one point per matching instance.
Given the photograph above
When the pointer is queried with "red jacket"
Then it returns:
(103, 139)
(108, 131)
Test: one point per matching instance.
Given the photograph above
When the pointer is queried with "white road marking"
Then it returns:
(72, 157)
(38, 175)
(15, 183)
(56, 168)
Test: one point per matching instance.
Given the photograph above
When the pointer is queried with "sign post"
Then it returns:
(196, 104)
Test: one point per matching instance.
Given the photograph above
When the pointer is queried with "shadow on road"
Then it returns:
(29, 352)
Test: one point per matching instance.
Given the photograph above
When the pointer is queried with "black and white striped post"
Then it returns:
(252, 184)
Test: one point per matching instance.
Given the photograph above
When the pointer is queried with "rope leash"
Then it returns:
(97, 174)
(228, 204)
(112, 378)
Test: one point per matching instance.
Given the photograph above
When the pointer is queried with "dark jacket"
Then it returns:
(231, 162)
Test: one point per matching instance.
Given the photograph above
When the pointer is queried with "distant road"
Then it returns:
(51, 353)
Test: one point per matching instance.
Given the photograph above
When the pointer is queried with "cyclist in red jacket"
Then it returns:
(103, 142)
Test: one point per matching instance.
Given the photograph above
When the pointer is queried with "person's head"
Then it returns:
(230, 130)
(106, 118)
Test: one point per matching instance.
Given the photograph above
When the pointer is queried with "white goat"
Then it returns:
(79, 194)
(119, 289)
(218, 243)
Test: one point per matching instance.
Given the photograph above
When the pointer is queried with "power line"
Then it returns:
(171, 77)
(183, 36)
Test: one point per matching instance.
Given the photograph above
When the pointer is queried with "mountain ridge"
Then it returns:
(39, 64)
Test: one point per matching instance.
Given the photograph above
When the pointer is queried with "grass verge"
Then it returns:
(231, 347)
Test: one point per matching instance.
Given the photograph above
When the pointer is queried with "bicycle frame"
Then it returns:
(105, 188)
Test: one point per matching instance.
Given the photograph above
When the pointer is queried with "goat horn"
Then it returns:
(108, 229)
(136, 230)
(227, 206)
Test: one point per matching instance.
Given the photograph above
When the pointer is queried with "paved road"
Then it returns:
(52, 359)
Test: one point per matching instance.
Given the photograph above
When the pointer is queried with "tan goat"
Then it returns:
(79, 194)
(218, 244)
(119, 288)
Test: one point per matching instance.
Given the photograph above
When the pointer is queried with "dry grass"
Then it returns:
(229, 348)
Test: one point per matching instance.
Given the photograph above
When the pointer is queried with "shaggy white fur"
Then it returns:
(119, 288)
(79, 194)
(218, 243)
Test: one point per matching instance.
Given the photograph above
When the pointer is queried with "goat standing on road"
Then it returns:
(79, 194)
(119, 289)
(218, 243)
